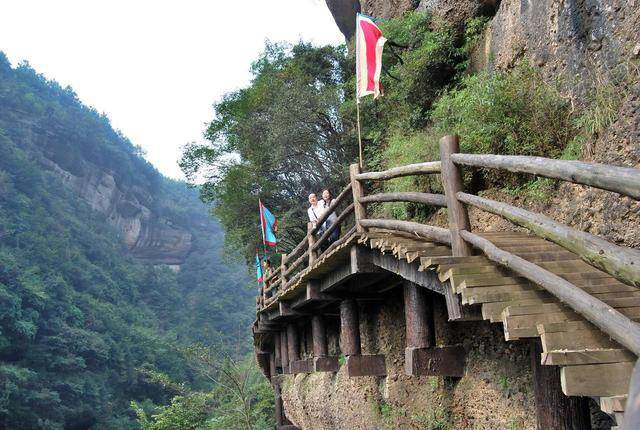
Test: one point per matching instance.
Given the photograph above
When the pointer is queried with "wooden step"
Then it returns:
(429, 262)
(596, 380)
(437, 251)
(493, 311)
(613, 404)
(586, 356)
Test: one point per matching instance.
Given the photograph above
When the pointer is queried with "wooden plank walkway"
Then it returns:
(592, 364)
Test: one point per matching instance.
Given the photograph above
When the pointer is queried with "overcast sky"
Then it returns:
(155, 67)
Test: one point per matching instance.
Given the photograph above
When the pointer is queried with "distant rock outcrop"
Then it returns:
(148, 236)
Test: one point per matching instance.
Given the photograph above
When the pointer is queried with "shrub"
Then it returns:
(506, 112)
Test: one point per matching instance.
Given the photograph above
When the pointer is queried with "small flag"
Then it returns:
(369, 44)
(258, 269)
(269, 225)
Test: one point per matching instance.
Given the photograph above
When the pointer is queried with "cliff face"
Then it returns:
(494, 394)
(148, 236)
(586, 46)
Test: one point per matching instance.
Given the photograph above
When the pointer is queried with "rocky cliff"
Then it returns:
(149, 236)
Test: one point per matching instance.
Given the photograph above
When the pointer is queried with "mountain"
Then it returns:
(106, 266)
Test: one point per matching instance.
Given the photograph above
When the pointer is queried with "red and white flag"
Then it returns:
(369, 44)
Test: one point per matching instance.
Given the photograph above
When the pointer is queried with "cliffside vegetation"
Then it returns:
(292, 130)
(84, 327)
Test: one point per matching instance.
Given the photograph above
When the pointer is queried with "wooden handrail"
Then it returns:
(615, 324)
(397, 172)
(621, 262)
(325, 236)
(426, 198)
(623, 180)
(437, 234)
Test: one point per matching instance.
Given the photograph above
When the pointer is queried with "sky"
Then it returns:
(155, 67)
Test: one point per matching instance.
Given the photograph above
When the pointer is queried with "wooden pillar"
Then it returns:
(279, 409)
(312, 241)
(418, 313)
(319, 334)
(284, 354)
(358, 192)
(554, 410)
(272, 366)
(349, 327)
(452, 183)
(632, 412)
(283, 268)
(277, 349)
(292, 339)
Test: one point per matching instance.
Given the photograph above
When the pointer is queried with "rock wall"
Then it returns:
(148, 237)
(496, 392)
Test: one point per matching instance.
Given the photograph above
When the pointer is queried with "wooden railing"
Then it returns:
(621, 262)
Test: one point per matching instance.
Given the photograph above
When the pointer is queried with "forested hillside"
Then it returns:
(84, 317)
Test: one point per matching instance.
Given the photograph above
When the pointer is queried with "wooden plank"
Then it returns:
(586, 356)
(439, 251)
(613, 404)
(493, 311)
(506, 297)
(577, 339)
(609, 320)
(596, 380)
(427, 262)
(621, 262)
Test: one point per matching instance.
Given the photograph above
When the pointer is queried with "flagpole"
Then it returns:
(359, 133)
(264, 246)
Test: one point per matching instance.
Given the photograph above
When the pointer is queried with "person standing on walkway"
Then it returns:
(327, 201)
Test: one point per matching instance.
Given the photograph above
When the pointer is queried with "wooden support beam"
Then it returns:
(292, 343)
(452, 184)
(326, 364)
(284, 352)
(440, 361)
(302, 366)
(319, 334)
(365, 365)
(358, 192)
(276, 350)
(349, 327)
(418, 313)
(554, 410)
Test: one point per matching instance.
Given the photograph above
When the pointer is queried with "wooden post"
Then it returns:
(292, 339)
(554, 410)
(358, 191)
(312, 241)
(452, 183)
(319, 335)
(279, 409)
(272, 366)
(277, 349)
(349, 327)
(418, 312)
(283, 269)
(284, 354)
